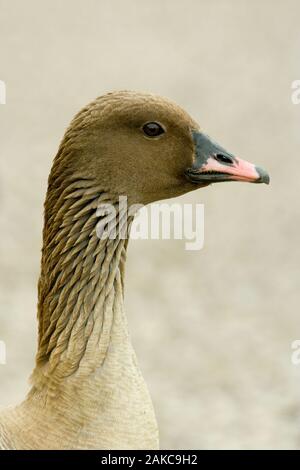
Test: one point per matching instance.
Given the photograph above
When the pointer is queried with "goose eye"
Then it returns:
(152, 129)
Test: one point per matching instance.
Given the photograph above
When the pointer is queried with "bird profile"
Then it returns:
(87, 390)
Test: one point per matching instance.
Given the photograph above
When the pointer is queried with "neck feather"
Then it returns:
(87, 384)
(80, 284)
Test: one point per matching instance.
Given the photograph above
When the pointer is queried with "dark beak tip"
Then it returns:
(263, 175)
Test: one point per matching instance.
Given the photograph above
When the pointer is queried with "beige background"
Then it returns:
(212, 329)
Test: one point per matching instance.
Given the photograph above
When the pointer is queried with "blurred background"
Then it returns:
(212, 329)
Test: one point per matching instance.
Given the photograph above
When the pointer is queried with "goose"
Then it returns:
(87, 390)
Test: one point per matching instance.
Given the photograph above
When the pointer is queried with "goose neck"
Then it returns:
(80, 305)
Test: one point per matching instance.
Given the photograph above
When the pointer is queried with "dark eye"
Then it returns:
(152, 129)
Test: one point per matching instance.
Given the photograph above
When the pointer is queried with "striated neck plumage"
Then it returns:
(81, 284)
(87, 385)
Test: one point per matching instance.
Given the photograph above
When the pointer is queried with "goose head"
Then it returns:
(148, 148)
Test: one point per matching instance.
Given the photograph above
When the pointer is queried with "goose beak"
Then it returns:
(213, 164)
